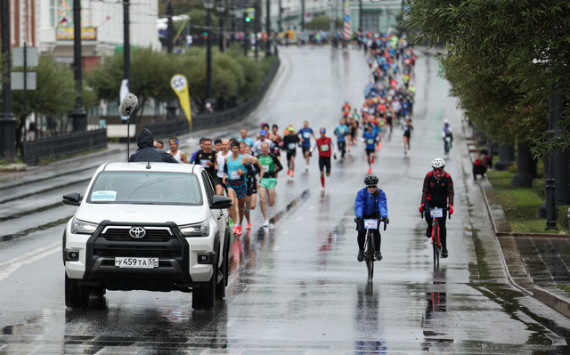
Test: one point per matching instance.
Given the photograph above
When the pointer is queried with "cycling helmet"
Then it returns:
(438, 163)
(371, 180)
(446, 121)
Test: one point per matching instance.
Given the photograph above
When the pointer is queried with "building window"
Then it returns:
(370, 21)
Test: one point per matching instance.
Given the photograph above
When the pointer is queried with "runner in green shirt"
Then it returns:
(271, 165)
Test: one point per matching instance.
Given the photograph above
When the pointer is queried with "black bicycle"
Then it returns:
(447, 145)
(369, 246)
(436, 214)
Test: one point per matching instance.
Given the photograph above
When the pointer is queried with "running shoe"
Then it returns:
(266, 224)
(360, 256)
(292, 174)
(369, 170)
(248, 226)
(288, 171)
(444, 253)
(306, 168)
(372, 161)
(378, 256)
(238, 231)
(234, 231)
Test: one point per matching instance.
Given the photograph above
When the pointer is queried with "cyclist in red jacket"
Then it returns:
(326, 149)
(437, 192)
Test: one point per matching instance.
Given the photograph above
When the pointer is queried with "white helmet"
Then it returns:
(446, 121)
(438, 163)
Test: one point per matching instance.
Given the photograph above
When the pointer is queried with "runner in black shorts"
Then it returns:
(290, 142)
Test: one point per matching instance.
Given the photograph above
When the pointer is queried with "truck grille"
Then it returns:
(153, 234)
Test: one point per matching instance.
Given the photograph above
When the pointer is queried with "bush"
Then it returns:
(563, 216)
(512, 169)
(538, 185)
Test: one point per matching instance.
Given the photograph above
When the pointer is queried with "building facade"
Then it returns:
(48, 25)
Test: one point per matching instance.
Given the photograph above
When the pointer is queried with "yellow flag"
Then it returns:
(179, 84)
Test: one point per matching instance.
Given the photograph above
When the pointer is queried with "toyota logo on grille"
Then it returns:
(137, 232)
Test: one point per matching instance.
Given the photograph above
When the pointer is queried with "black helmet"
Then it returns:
(371, 180)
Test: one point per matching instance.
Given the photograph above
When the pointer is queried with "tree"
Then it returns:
(512, 48)
(322, 23)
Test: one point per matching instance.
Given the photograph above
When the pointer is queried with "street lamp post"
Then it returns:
(268, 28)
(240, 15)
(209, 5)
(221, 7)
(7, 118)
(79, 115)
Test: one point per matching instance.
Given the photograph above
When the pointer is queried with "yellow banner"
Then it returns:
(66, 33)
(179, 84)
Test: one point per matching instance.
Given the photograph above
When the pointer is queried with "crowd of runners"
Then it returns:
(246, 168)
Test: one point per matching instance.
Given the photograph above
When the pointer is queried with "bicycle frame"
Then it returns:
(436, 213)
(370, 246)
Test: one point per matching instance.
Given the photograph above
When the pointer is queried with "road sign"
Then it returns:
(407, 8)
(346, 18)
(251, 12)
(18, 57)
(17, 80)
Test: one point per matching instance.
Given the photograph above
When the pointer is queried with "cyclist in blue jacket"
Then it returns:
(370, 204)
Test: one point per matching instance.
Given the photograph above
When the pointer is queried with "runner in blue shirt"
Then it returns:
(244, 138)
(305, 134)
(370, 138)
(341, 131)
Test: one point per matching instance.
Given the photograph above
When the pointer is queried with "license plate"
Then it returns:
(136, 263)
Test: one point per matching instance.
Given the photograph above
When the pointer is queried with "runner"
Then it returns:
(341, 131)
(326, 149)
(290, 142)
(271, 166)
(305, 134)
(220, 164)
(256, 149)
(177, 154)
(370, 137)
(252, 171)
(408, 127)
(244, 138)
(207, 158)
(234, 178)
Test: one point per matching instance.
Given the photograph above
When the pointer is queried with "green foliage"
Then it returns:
(322, 23)
(233, 75)
(502, 58)
(538, 185)
(198, 21)
(519, 203)
(55, 92)
(563, 216)
(512, 169)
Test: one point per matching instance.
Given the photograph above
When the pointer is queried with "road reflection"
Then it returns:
(433, 321)
(366, 321)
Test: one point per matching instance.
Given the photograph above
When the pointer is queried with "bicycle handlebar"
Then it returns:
(443, 208)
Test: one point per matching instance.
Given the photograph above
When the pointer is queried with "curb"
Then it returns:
(503, 233)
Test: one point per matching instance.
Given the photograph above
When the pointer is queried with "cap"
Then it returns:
(235, 144)
(263, 132)
(291, 129)
(323, 130)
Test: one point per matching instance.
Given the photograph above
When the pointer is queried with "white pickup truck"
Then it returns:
(147, 226)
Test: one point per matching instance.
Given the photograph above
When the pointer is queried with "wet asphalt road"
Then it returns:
(297, 288)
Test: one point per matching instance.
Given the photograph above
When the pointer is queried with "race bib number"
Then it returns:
(436, 212)
(104, 196)
(370, 224)
(306, 135)
(204, 162)
(234, 175)
(370, 141)
(291, 146)
(324, 148)
(265, 167)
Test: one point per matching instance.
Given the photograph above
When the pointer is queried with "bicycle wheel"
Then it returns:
(436, 245)
(369, 254)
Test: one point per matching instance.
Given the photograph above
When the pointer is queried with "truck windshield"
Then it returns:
(155, 188)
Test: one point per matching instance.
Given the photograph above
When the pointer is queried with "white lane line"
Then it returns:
(28, 258)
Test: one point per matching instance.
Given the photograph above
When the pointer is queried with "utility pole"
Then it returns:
(79, 115)
(7, 118)
(126, 44)
(268, 28)
(280, 17)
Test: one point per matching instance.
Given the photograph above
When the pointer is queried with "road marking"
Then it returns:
(28, 258)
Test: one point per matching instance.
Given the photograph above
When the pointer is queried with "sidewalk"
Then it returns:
(536, 263)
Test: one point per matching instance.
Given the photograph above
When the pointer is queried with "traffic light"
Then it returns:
(205, 34)
(247, 19)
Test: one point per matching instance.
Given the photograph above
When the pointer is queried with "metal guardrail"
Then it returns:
(63, 145)
(163, 129)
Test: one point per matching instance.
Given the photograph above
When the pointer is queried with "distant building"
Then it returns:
(48, 25)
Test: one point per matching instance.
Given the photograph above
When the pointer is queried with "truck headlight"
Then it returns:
(81, 227)
(196, 230)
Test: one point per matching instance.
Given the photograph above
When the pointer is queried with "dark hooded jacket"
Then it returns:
(147, 151)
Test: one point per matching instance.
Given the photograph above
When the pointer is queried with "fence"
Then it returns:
(63, 145)
(161, 129)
